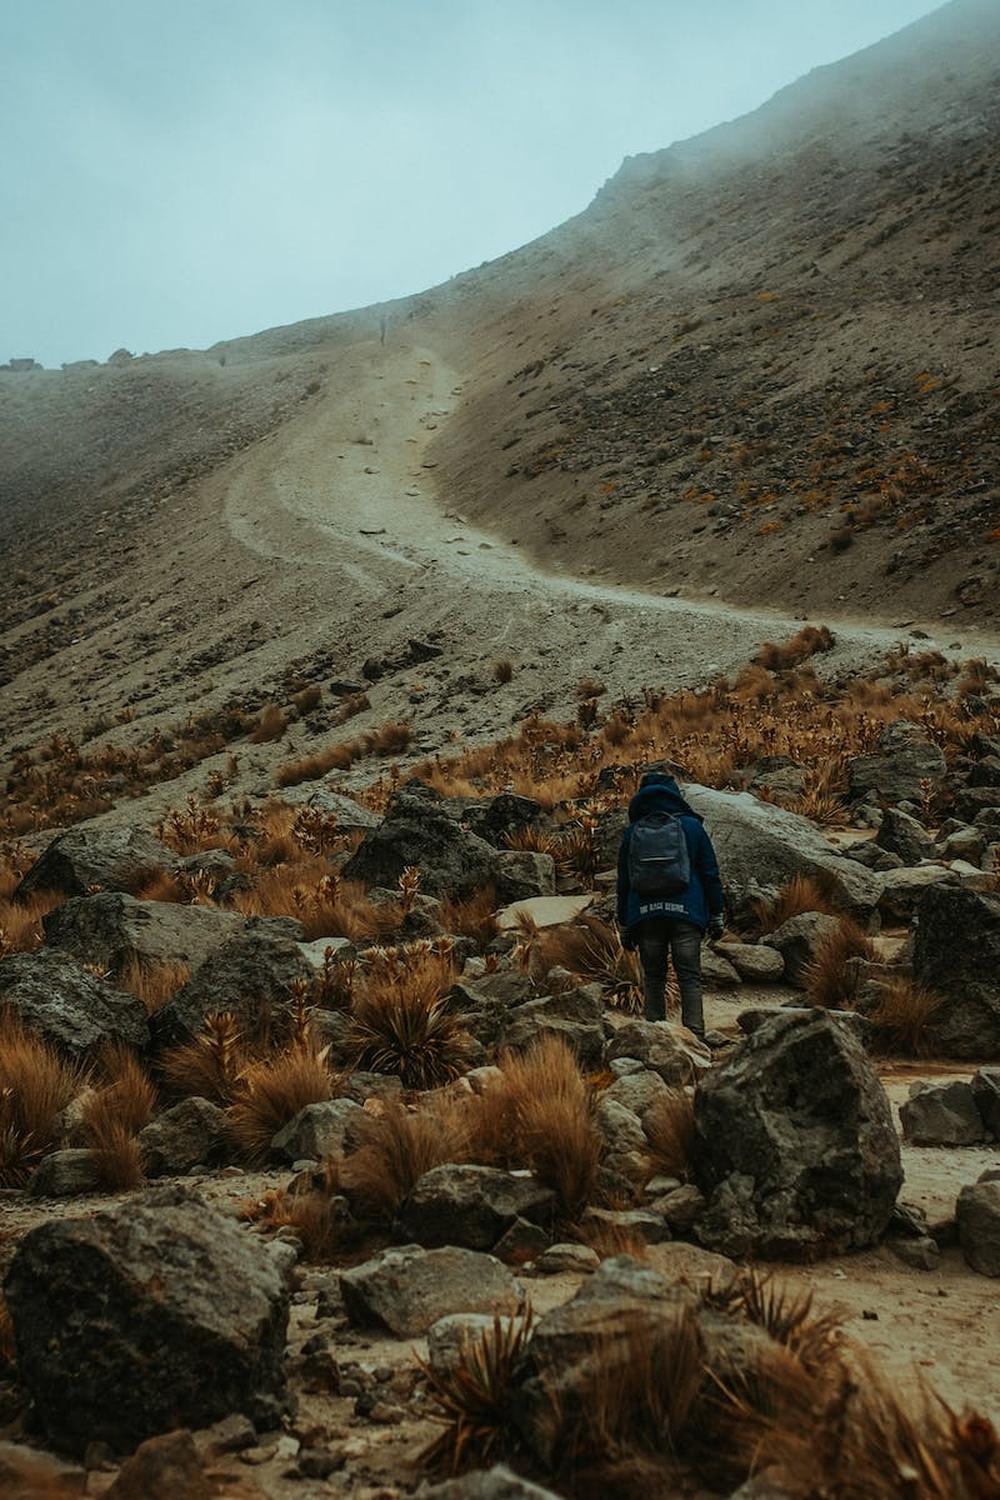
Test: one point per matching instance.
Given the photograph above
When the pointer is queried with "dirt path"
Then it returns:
(350, 486)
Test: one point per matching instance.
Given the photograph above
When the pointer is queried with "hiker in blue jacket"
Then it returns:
(669, 893)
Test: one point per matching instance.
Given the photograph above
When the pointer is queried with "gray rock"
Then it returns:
(644, 1222)
(681, 1208)
(67, 1174)
(859, 1026)
(406, 1289)
(522, 874)
(108, 859)
(903, 889)
(622, 1276)
(74, 1010)
(360, 1086)
(161, 1313)
(798, 941)
(451, 1337)
(755, 962)
(923, 1253)
(657, 1047)
(562, 1258)
(873, 857)
(498, 1483)
(249, 974)
(323, 1129)
(452, 862)
(795, 1147)
(190, 1134)
(762, 846)
(496, 818)
(576, 1015)
(964, 842)
(716, 970)
(978, 1214)
(896, 772)
(521, 1242)
(621, 1129)
(471, 1206)
(113, 928)
(637, 1091)
(942, 1114)
(956, 953)
(986, 1092)
(902, 835)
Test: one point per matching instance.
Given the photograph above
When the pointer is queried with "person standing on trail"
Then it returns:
(669, 893)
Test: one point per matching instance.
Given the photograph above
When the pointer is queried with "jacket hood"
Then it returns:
(659, 793)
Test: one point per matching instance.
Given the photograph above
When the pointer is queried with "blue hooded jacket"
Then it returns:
(702, 898)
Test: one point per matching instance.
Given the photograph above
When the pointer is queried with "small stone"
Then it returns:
(922, 1254)
(560, 1258)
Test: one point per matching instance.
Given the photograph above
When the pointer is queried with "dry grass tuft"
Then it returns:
(540, 1114)
(211, 1066)
(271, 1092)
(592, 949)
(802, 893)
(397, 1147)
(472, 1399)
(503, 670)
(669, 1127)
(36, 1085)
(807, 642)
(407, 1033)
(113, 1114)
(827, 980)
(272, 722)
(474, 916)
(152, 983)
(21, 928)
(904, 1015)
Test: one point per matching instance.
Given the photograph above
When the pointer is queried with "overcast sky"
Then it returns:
(174, 172)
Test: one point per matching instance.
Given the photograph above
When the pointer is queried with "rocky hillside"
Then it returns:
(773, 346)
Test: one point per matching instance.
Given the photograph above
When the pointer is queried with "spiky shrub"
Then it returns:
(210, 1066)
(669, 1128)
(904, 1016)
(472, 916)
(36, 1085)
(800, 894)
(114, 1113)
(503, 670)
(827, 980)
(592, 949)
(638, 1393)
(271, 1092)
(396, 1147)
(401, 1022)
(153, 983)
(541, 1114)
(315, 1212)
(472, 1399)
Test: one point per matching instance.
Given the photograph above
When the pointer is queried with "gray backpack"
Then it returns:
(659, 863)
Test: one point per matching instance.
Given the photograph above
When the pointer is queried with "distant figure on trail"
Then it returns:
(669, 893)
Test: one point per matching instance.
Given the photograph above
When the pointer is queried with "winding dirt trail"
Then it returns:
(350, 486)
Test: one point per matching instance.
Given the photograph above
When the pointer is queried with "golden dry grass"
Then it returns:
(114, 1113)
(541, 1114)
(905, 1016)
(271, 1092)
(801, 894)
(826, 978)
(210, 1066)
(593, 950)
(397, 1146)
(793, 652)
(272, 722)
(403, 1031)
(669, 1127)
(472, 1400)
(21, 928)
(36, 1085)
(152, 983)
(473, 916)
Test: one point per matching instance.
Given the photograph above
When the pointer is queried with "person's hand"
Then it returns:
(628, 940)
(716, 927)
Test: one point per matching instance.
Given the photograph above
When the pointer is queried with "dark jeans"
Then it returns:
(658, 937)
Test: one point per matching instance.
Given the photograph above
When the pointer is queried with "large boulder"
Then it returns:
(67, 1174)
(902, 890)
(956, 953)
(496, 818)
(192, 1133)
(88, 859)
(250, 974)
(113, 928)
(74, 1010)
(795, 1147)
(978, 1215)
(408, 1288)
(942, 1114)
(522, 875)
(416, 831)
(472, 1206)
(754, 962)
(898, 771)
(159, 1314)
(761, 846)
